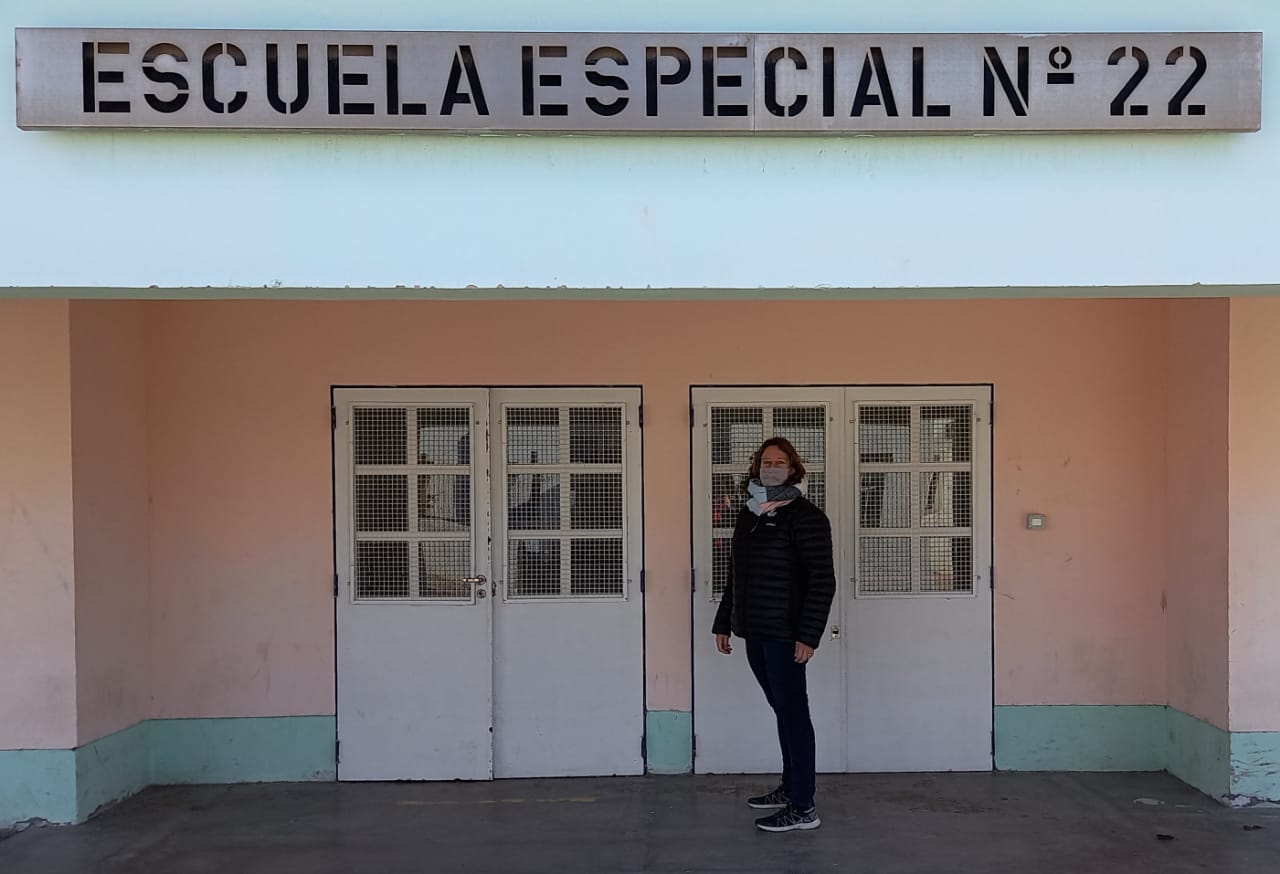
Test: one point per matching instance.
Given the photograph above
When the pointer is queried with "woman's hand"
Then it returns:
(804, 652)
(722, 644)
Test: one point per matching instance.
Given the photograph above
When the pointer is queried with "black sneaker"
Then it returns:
(770, 800)
(790, 819)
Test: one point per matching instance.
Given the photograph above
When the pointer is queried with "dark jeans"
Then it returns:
(783, 681)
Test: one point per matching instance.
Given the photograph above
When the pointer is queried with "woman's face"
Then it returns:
(773, 457)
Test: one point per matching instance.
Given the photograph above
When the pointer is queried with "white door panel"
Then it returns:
(414, 637)
(919, 620)
(922, 706)
(905, 479)
(569, 648)
(735, 728)
(477, 642)
(571, 705)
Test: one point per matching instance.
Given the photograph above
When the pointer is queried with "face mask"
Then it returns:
(774, 476)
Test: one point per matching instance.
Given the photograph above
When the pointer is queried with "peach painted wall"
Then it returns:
(109, 452)
(1255, 514)
(1196, 617)
(241, 469)
(37, 572)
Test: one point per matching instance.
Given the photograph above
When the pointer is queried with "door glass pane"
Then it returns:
(382, 502)
(534, 568)
(416, 508)
(727, 498)
(442, 567)
(585, 496)
(533, 501)
(736, 433)
(884, 565)
(595, 567)
(817, 495)
(444, 502)
(444, 436)
(946, 499)
(382, 570)
(806, 428)
(595, 435)
(721, 548)
(914, 483)
(885, 500)
(946, 564)
(884, 434)
(596, 501)
(379, 435)
(533, 435)
(946, 434)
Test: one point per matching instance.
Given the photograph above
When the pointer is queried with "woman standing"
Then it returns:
(779, 592)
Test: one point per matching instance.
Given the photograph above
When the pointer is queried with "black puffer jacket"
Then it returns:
(781, 576)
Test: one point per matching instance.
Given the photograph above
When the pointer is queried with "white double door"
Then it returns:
(903, 678)
(489, 611)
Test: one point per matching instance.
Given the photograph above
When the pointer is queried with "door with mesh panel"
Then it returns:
(735, 732)
(919, 617)
(490, 618)
(414, 612)
(903, 678)
(568, 646)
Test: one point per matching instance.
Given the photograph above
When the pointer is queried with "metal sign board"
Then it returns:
(708, 83)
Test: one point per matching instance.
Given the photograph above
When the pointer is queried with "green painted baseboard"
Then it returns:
(112, 768)
(246, 750)
(1255, 768)
(37, 784)
(1199, 753)
(1081, 738)
(66, 786)
(1239, 768)
(669, 742)
(69, 786)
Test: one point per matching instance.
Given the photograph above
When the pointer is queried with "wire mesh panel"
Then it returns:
(382, 570)
(736, 433)
(565, 502)
(884, 564)
(412, 495)
(915, 475)
(946, 564)
(379, 435)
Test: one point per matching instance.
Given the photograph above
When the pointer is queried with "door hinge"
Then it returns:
(691, 416)
(991, 413)
(642, 581)
(640, 415)
(694, 747)
(333, 417)
(693, 579)
(335, 585)
(991, 576)
(337, 751)
(644, 749)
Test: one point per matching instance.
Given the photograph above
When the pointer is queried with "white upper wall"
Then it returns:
(227, 210)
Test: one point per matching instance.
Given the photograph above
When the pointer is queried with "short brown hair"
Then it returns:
(793, 459)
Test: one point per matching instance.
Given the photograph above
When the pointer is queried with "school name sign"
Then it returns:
(709, 83)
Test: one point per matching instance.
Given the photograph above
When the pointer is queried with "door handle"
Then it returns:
(835, 632)
(476, 581)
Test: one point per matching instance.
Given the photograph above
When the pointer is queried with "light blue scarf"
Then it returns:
(769, 499)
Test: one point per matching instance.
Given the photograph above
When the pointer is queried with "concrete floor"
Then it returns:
(971, 823)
